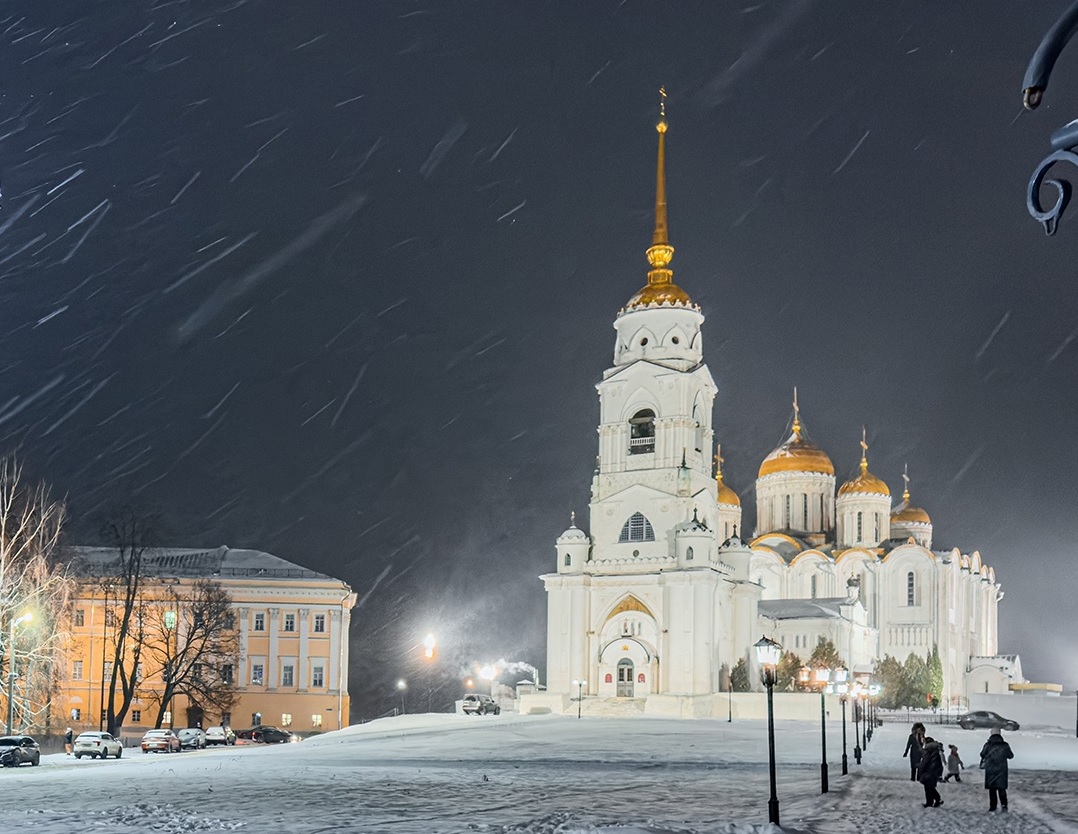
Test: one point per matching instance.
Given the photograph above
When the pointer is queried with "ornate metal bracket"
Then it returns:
(1064, 140)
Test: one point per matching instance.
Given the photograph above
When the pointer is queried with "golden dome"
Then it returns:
(865, 482)
(659, 293)
(723, 493)
(904, 513)
(797, 454)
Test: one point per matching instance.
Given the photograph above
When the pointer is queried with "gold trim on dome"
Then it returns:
(723, 493)
(904, 513)
(797, 454)
(866, 482)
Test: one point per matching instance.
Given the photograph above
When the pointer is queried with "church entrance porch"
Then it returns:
(625, 678)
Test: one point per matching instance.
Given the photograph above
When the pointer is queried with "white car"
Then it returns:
(97, 746)
(192, 738)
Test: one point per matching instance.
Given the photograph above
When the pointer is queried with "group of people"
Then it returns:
(929, 765)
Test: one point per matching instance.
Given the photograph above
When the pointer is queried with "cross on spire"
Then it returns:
(906, 481)
(719, 460)
(797, 415)
(864, 448)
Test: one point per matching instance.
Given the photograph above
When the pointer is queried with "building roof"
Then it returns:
(802, 609)
(219, 563)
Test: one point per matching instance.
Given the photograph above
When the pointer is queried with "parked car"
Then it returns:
(985, 720)
(165, 741)
(220, 735)
(271, 735)
(97, 746)
(17, 750)
(192, 738)
(480, 705)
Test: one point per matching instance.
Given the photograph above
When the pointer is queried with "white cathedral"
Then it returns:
(667, 592)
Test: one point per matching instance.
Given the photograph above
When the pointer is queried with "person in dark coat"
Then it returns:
(913, 748)
(930, 771)
(994, 757)
(69, 737)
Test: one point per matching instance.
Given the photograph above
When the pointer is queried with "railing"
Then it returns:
(641, 445)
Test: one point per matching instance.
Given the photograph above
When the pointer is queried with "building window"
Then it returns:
(876, 521)
(106, 670)
(860, 526)
(166, 717)
(286, 719)
(257, 673)
(256, 719)
(319, 623)
(104, 716)
(823, 518)
(642, 432)
(136, 716)
(568, 561)
(110, 618)
(787, 524)
(230, 620)
(76, 670)
(76, 714)
(805, 511)
(138, 671)
(260, 622)
(226, 673)
(812, 586)
(911, 589)
(318, 674)
(288, 675)
(170, 619)
(688, 555)
(316, 719)
(289, 622)
(80, 618)
(637, 529)
(196, 671)
(226, 719)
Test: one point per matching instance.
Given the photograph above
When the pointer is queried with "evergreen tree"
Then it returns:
(739, 677)
(787, 671)
(935, 675)
(916, 682)
(889, 674)
(825, 656)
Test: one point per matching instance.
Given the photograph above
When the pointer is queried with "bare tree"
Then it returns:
(193, 639)
(35, 590)
(131, 534)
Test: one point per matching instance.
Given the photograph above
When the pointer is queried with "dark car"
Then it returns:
(271, 735)
(985, 720)
(479, 705)
(17, 750)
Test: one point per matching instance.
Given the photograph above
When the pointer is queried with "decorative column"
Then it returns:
(333, 662)
(272, 661)
(242, 675)
(304, 630)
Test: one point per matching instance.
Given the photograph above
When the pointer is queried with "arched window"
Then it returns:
(860, 526)
(805, 511)
(911, 589)
(823, 518)
(787, 524)
(642, 432)
(876, 519)
(812, 586)
(688, 555)
(568, 560)
(637, 529)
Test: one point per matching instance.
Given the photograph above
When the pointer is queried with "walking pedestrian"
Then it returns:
(954, 765)
(930, 771)
(994, 755)
(69, 739)
(913, 748)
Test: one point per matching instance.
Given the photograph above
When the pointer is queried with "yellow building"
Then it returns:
(292, 624)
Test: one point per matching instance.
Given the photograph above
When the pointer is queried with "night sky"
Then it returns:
(336, 280)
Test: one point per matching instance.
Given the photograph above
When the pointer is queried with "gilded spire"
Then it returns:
(660, 253)
(864, 450)
(906, 482)
(797, 416)
(719, 460)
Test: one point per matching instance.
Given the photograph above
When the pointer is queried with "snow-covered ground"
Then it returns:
(548, 774)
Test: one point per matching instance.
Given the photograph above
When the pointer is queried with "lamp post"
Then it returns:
(579, 696)
(25, 618)
(842, 689)
(856, 693)
(873, 693)
(402, 686)
(769, 653)
(429, 646)
(823, 677)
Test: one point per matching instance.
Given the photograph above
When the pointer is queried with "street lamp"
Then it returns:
(579, 695)
(769, 653)
(856, 694)
(873, 693)
(429, 646)
(489, 673)
(25, 618)
(842, 689)
(402, 685)
(823, 677)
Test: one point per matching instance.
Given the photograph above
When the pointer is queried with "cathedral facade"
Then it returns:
(666, 592)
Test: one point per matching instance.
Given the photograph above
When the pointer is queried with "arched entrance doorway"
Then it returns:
(625, 678)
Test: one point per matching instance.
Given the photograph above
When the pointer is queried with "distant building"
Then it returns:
(292, 625)
(663, 596)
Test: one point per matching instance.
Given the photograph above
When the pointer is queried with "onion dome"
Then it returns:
(723, 493)
(574, 533)
(797, 453)
(660, 288)
(865, 482)
(904, 513)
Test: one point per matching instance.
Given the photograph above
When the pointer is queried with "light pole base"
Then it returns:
(857, 755)
(773, 811)
(845, 766)
(823, 777)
